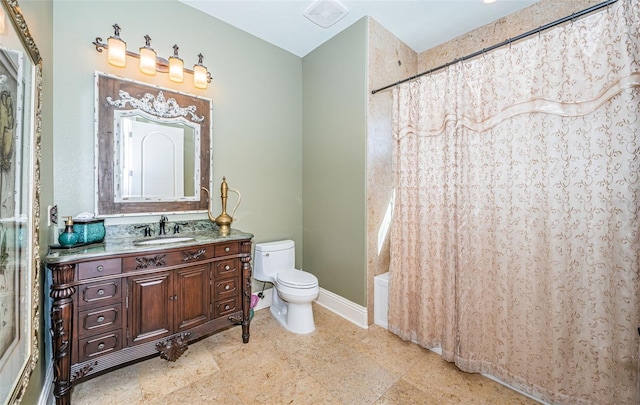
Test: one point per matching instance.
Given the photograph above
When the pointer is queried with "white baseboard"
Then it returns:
(348, 310)
(489, 376)
(46, 395)
(438, 350)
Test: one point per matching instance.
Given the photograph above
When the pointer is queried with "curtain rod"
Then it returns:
(503, 43)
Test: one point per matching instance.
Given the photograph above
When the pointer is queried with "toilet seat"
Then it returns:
(296, 279)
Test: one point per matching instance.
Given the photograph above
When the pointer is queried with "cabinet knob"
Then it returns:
(226, 287)
(227, 267)
(101, 292)
(100, 318)
(101, 346)
(226, 307)
(100, 268)
(227, 249)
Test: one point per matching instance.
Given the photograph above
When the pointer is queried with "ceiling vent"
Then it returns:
(325, 13)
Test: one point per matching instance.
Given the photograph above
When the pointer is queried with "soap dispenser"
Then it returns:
(68, 237)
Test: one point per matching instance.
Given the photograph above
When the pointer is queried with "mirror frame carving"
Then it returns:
(31, 129)
(109, 87)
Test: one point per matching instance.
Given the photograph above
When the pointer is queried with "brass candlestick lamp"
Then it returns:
(224, 220)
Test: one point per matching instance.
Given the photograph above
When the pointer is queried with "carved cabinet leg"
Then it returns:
(246, 299)
(61, 330)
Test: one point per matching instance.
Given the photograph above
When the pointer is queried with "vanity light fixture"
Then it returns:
(147, 57)
(176, 67)
(150, 63)
(117, 49)
(200, 74)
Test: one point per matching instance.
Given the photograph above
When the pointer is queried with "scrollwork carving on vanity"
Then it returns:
(145, 262)
(83, 371)
(62, 277)
(172, 349)
(190, 256)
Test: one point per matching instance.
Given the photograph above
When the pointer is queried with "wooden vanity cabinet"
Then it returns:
(114, 310)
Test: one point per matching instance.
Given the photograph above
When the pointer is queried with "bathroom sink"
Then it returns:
(161, 240)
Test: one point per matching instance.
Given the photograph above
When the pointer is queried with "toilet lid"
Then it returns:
(297, 279)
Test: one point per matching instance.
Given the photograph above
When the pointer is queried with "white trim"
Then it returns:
(381, 300)
(350, 311)
(438, 350)
(499, 381)
(46, 395)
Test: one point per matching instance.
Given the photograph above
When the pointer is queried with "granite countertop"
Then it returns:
(120, 244)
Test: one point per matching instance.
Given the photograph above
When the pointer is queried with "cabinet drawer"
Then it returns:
(226, 306)
(176, 257)
(153, 261)
(223, 288)
(101, 293)
(226, 268)
(98, 345)
(224, 249)
(100, 320)
(147, 261)
(99, 268)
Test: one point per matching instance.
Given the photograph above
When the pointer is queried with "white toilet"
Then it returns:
(296, 289)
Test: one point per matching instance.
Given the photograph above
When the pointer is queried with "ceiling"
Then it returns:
(421, 24)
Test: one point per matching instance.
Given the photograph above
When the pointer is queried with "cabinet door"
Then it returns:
(151, 307)
(192, 296)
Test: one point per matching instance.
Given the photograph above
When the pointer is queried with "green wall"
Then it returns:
(334, 169)
(256, 93)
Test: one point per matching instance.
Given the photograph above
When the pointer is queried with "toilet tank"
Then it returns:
(272, 257)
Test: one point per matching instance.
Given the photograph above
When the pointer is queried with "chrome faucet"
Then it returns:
(163, 224)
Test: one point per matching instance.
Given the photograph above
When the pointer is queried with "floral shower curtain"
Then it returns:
(516, 239)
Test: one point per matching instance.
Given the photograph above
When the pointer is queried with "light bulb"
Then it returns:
(147, 58)
(117, 52)
(176, 67)
(200, 74)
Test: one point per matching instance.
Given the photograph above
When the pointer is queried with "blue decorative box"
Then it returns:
(89, 230)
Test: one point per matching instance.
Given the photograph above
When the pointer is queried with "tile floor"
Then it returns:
(339, 363)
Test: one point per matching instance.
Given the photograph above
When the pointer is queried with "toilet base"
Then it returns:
(296, 318)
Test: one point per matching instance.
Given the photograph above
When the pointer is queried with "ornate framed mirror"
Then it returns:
(20, 125)
(153, 148)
